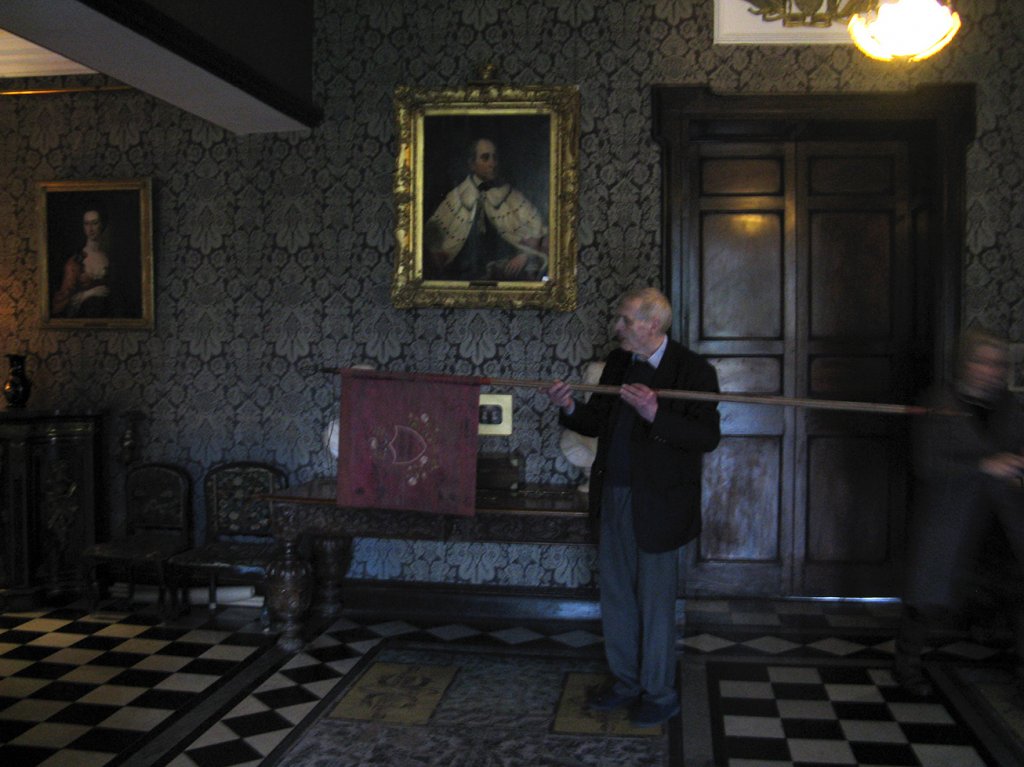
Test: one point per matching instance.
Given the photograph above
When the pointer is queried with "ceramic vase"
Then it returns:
(17, 387)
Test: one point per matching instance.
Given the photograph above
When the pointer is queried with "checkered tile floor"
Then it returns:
(769, 715)
(86, 689)
(763, 683)
(809, 683)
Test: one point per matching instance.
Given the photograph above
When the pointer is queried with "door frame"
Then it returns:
(939, 119)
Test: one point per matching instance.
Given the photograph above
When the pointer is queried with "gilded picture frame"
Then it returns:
(486, 196)
(96, 254)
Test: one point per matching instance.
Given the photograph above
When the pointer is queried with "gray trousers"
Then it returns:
(638, 597)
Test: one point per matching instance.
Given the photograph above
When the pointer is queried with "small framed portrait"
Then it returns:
(486, 197)
(96, 254)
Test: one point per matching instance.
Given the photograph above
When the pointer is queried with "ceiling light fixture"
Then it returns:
(888, 30)
(904, 29)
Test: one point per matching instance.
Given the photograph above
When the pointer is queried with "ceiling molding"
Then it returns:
(20, 58)
(95, 40)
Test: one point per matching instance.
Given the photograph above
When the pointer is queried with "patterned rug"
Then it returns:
(574, 718)
(396, 693)
(471, 706)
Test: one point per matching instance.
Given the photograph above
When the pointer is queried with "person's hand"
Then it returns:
(642, 399)
(515, 265)
(100, 291)
(1008, 466)
(438, 259)
(560, 393)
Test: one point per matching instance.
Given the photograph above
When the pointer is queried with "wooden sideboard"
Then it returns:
(537, 514)
(49, 470)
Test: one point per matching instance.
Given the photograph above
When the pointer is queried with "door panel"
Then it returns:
(848, 505)
(855, 378)
(801, 261)
(741, 275)
(846, 173)
(849, 270)
(741, 175)
(853, 242)
(743, 491)
(743, 264)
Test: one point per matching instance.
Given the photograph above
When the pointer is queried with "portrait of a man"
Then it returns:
(486, 197)
(96, 260)
(486, 194)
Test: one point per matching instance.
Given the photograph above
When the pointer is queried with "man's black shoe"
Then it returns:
(609, 700)
(649, 714)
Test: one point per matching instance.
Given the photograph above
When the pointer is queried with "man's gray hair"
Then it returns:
(651, 305)
(973, 339)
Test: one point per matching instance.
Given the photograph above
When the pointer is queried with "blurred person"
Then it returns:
(968, 462)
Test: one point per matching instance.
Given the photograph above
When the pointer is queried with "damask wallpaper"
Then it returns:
(274, 253)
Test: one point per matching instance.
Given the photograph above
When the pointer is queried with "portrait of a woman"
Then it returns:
(96, 261)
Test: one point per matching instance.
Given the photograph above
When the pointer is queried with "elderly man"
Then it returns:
(968, 461)
(484, 229)
(645, 483)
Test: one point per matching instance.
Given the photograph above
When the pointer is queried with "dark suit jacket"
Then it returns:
(955, 499)
(665, 455)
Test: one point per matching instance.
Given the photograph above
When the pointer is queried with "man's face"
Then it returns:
(485, 162)
(985, 371)
(635, 334)
(92, 224)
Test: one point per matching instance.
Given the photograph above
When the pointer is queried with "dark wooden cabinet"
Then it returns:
(49, 478)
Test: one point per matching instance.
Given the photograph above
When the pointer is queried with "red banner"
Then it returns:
(408, 441)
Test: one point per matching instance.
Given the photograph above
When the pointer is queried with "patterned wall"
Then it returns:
(274, 253)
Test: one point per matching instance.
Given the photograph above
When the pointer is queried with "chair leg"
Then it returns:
(94, 586)
(131, 585)
(213, 592)
(179, 591)
(161, 589)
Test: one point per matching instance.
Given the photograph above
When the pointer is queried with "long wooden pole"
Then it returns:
(750, 399)
(703, 396)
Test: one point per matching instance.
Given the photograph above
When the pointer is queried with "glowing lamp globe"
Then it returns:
(910, 30)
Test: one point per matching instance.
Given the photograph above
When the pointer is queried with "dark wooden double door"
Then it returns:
(812, 249)
(802, 282)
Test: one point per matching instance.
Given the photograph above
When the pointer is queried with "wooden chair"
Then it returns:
(239, 544)
(158, 500)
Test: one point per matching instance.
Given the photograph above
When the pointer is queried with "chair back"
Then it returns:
(234, 499)
(159, 500)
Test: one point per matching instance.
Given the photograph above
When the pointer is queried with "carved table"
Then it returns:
(533, 514)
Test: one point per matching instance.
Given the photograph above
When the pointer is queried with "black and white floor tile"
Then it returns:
(836, 713)
(763, 683)
(87, 689)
